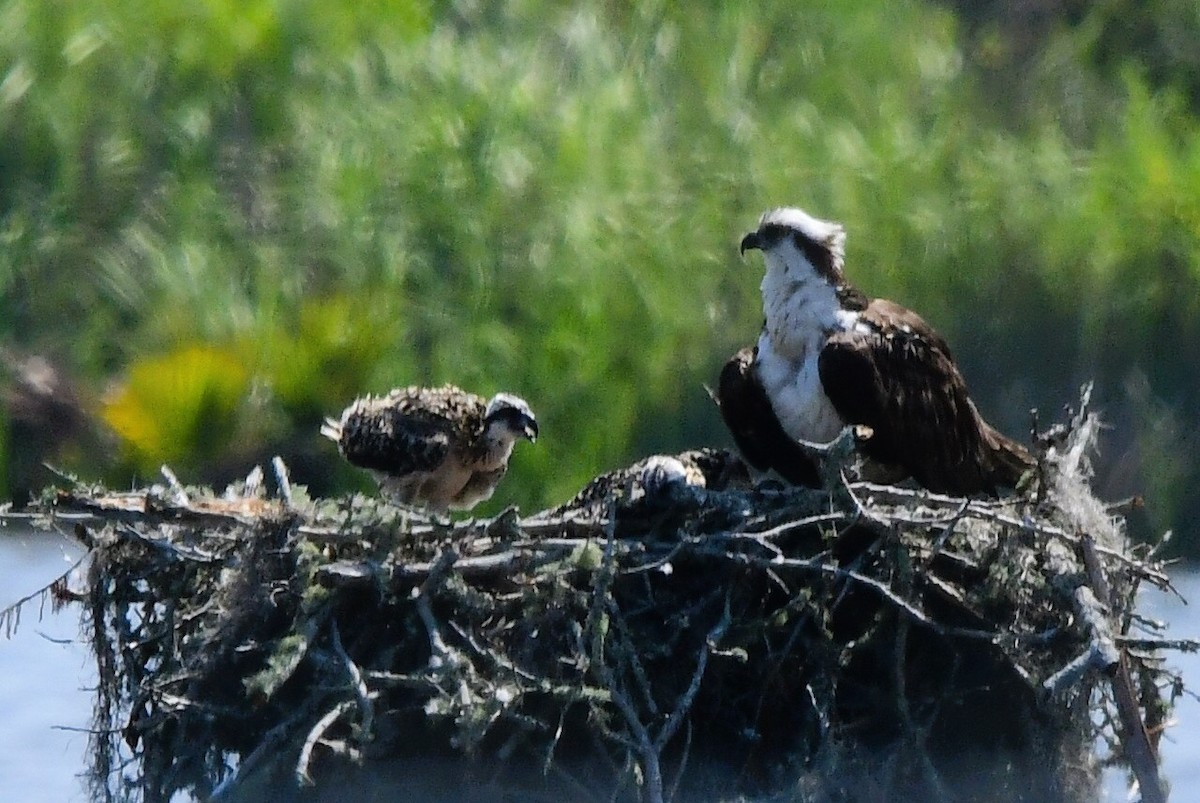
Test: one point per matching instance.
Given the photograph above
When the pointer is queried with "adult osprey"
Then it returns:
(437, 447)
(828, 356)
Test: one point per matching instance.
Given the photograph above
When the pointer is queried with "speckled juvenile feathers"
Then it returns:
(409, 429)
(709, 469)
(436, 447)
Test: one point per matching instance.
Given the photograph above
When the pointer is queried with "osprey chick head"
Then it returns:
(510, 415)
(795, 242)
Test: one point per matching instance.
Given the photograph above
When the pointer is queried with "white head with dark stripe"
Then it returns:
(799, 245)
(803, 288)
(508, 418)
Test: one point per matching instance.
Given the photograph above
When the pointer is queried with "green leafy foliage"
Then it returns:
(179, 407)
(547, 199)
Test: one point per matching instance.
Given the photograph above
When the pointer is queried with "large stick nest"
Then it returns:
(855, 643)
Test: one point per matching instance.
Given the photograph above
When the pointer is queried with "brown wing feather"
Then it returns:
(900, 379)
(755, 428)
(409, 430)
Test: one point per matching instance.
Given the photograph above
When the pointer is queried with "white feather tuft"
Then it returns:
(332, 429)
(1071, 476)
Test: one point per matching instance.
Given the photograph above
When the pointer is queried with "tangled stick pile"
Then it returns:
(674, 642)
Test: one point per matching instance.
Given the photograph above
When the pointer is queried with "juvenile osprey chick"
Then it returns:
(829, 356)
(654, 476)
(441, 448)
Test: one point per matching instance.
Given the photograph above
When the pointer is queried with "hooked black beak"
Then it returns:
(750, 241)
(531, 430)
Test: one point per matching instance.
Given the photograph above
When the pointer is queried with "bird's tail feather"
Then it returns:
(332, 429)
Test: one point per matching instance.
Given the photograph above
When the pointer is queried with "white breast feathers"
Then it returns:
(800, 316)
(794, 388)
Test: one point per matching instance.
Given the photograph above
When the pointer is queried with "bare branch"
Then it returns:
(365, 706)
(684, 705)
(304, 762)
(1142, 755)
(281, 477)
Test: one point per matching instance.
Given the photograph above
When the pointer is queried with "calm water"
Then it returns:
(46, 675)
(46, 678)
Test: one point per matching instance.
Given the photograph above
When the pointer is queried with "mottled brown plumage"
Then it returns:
(830, 356)
(441, 447)
(709, 469)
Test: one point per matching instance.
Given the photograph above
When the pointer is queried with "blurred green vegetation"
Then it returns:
(229, 218)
